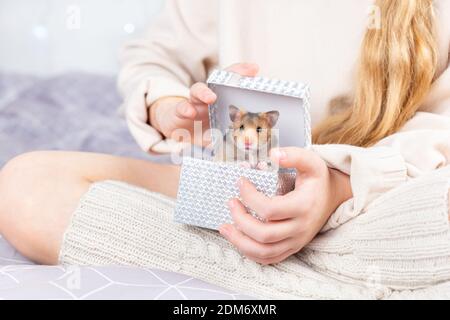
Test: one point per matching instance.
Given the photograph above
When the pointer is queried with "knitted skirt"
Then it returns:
(398, 248)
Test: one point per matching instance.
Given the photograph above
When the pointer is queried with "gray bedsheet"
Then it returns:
(77, 112)
(68, 112)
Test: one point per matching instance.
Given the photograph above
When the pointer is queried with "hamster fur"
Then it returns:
(249, 138)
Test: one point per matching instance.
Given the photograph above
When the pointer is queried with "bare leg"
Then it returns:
(39, 192)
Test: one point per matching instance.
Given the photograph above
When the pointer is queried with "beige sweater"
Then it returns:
(398, 249)
(316, 42)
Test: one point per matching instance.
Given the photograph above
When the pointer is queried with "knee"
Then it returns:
(22, 171)
(18, 178)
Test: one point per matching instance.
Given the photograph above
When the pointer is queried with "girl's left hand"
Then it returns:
(292, 220)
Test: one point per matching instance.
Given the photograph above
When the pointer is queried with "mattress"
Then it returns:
(77, 112)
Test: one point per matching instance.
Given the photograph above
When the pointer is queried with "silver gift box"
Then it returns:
(206, 186)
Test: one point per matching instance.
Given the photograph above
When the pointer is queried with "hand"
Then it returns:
(292, 220)
(171, 113)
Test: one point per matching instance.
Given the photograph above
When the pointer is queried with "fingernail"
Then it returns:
(209, 96)
(185, 109)
(232, 203)
(250, 65)
(240, 182)
(280, 154)
(224, 230)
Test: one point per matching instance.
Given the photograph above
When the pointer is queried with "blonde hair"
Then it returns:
(397, 66)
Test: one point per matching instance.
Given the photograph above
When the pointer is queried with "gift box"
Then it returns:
(250, 116)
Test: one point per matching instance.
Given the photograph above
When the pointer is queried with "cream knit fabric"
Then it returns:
(398, 248)
(317, 42)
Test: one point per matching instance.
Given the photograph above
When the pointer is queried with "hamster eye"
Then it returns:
(259, 129)
(241, 128)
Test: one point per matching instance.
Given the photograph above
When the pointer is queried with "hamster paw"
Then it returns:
(245, 164)
(263, 166)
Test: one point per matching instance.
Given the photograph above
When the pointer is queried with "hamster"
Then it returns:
(249, 139)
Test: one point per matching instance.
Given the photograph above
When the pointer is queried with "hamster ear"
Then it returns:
(235, 113)
(273, 117)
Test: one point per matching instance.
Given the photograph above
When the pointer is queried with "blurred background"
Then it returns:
(58, 64)
(46, 37)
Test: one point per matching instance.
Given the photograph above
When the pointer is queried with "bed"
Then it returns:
(77, 111)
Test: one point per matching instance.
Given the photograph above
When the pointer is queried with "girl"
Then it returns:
(375, 183)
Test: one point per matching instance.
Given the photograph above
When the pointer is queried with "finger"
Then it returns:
(270, 232)
(252, 248)
(201, 94)
(275, 260)
(185, 111)
(270, 209)
(305, 161)
(244, 69)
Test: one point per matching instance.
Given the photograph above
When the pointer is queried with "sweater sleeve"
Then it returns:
(177, 51)
(423, 145)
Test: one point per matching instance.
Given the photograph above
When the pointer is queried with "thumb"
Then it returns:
(305, 161)
(244, 69)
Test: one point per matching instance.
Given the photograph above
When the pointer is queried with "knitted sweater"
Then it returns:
(316, 42)
(398, 248)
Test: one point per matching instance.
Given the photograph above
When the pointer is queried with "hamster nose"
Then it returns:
(247, 141)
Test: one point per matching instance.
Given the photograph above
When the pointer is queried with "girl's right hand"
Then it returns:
(171, 113)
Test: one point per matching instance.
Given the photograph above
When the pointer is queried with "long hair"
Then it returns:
(397, 66)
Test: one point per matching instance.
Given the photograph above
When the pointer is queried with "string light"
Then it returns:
(129, 28)
(40, 32)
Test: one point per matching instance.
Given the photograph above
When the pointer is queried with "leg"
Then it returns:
(40, 190)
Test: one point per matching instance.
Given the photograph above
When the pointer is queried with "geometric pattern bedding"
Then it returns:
(77, 112)
(20, 279)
